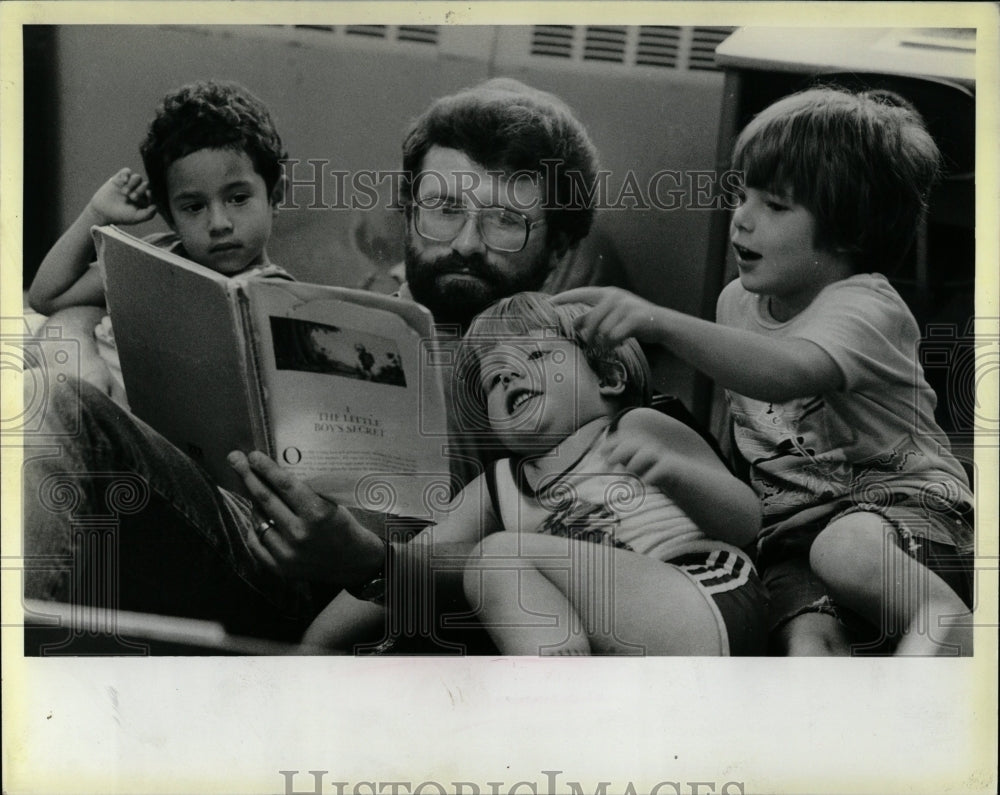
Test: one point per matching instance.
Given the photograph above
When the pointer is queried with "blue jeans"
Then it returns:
(116, 516)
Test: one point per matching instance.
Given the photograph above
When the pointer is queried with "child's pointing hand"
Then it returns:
(616, 315)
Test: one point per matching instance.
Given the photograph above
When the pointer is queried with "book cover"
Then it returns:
(337, 385)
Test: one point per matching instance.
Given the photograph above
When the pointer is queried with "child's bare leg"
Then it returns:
(812, 635)
(540, 594)
(522, 601)
(807, 625)
(857, 557)
(344, 624)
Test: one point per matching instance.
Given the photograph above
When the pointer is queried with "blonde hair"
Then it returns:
(521, 313)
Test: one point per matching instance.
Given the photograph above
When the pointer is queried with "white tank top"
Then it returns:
(593, 500)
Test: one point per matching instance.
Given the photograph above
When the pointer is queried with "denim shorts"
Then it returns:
(794, 589)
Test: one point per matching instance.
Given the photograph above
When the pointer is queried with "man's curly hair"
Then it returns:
(209, 114)
(505, 125)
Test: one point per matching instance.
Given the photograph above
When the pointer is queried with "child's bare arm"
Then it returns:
(672, 457)
(64, 277)
(440, 551)
(347, 621)
(759, 367)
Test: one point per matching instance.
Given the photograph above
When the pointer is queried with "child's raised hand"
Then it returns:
(123, 199)
(616, 315)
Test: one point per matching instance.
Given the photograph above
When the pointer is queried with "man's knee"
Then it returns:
(68, 406)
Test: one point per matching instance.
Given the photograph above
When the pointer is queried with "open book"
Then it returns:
(338, 385)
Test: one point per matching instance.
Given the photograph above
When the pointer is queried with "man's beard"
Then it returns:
(457, 300)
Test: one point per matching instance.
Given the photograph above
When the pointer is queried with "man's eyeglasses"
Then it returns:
(500, 229)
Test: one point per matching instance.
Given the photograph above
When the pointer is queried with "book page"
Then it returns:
(351, 405)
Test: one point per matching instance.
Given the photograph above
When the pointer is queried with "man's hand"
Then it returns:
(616, 315)
(309, 536)
(123, 199)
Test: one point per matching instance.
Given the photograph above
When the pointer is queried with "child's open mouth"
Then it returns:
(745, 254)
(517, 398)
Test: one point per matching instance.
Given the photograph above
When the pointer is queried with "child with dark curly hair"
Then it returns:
(213, 161)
